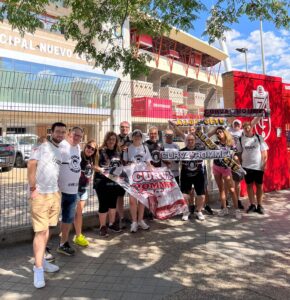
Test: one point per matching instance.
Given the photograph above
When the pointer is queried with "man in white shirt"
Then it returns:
(253, 153)
(43, 173)
(68, 183)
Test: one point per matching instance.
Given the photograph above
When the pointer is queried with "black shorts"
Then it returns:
(254, 176)
(236, 177)
(197, 181)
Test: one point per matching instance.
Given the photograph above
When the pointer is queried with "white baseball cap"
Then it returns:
(237, 121)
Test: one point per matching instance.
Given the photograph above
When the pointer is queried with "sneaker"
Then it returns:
(208, 209)
(134, 227)
(191, 208)
(81, 241)
(240, 204)
(185, 216)
(260, 210)
(143, 225)
(223, 212)
(66, 249)
(238, 214)
(49, 268)
(104, 231)
(251, 208)
(48, 256)
(38, 279)
(199, 215)
(115, 227)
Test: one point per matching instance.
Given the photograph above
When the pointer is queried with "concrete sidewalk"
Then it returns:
(220, 258)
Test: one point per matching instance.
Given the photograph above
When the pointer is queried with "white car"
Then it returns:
(23, 144)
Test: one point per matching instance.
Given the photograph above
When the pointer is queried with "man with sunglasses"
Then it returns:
(124, 142)
(70, 171)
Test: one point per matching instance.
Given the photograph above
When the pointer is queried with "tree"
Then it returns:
(91, 22)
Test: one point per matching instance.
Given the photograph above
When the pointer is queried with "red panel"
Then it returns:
(145, 40)
(152, 107)
(277, 173)
(172, 54)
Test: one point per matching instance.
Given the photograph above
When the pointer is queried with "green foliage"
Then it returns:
(92, 23)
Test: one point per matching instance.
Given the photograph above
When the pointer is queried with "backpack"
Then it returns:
(256, 134)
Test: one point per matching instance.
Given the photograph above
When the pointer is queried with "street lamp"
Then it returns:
(244, 50)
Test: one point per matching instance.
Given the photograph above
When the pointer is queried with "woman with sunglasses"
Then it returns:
(107, 190)
(88, 156)
(223, 174)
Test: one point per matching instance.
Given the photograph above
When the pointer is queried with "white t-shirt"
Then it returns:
(137, 154)
(235, 133)
(251, 148)
(48, 165)
(70, 169)
(174, 167)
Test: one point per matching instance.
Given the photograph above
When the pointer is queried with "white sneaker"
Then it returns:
(38, 277)
(238, 214)
(143, 225)
(185, 216)
(199, 215)
(134, 227)
(49, 268)
(223, 212)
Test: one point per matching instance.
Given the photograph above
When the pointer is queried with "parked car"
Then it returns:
(7, 154)
(23, 145)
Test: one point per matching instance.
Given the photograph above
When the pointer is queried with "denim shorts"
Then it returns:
(83, 196)
(68, 207)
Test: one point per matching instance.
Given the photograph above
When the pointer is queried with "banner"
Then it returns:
(155, 188)
(228, 161)
(198, 122)
(237, 112)
(194, 155)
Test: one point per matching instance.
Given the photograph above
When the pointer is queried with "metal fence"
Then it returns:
(30, 103)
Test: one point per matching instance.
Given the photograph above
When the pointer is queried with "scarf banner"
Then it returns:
(227, 161)
(237, 112)
(155, 188)
(194, 155)
(198, 122)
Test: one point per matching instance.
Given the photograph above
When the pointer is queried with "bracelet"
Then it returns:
(32, 188)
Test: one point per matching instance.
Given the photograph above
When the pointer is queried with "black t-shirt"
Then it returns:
(221, 146)
(193, 167)
(86, 172)
(108, 159)
(154, 149)
(124, 140)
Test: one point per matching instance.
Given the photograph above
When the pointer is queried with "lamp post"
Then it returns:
(244, 50)
(262, 46)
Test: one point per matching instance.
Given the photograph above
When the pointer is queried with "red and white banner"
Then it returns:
(155, 188)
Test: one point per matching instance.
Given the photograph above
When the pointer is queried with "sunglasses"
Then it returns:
(169, 135)
(125, 127)
(90, 148)
(219, 132)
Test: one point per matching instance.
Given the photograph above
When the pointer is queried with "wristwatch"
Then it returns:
(32, 188)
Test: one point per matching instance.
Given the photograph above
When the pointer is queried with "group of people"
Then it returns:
(59, 175)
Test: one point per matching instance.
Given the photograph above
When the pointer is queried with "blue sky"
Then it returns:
(247, 34)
